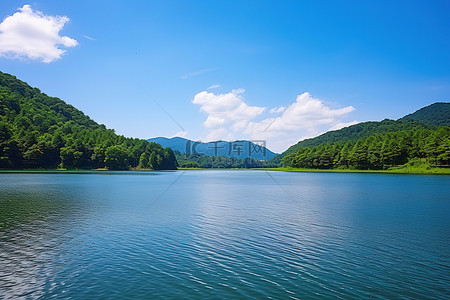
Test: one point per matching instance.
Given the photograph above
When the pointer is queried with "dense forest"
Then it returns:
(432, 115)
(354, 133)
(38, 131)
(220, 162)
(377, 152)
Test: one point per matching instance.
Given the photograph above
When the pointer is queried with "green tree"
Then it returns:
(116, 158)
(143, 161)
(155, 161)
(38, 131)
(67, 157)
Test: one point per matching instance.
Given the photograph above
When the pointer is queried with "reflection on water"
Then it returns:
(224, 234)
(31, 233)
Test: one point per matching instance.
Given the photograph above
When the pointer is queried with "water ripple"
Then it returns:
(225, 235)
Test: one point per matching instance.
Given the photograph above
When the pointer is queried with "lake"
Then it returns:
(224, 235)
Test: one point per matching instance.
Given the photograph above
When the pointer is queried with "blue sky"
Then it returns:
(274, 70)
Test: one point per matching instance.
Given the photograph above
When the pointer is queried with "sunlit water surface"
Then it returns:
(224, 235)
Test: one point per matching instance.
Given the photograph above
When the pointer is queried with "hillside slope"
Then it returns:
(38, 131)
(427, 117)
(435, 114)
(416, 139)
(424, 146)
(353, 133)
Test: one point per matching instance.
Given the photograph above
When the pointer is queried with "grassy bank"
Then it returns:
(395, 170)
(412, 167)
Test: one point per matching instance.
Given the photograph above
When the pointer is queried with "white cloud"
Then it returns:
(33, 35)
(227, 113)
(305, 113)
(229, 118)
(89, 38)
(214, 86)
(226, 108)
(306, 117)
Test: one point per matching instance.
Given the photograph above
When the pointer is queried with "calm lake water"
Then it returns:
(224, 235)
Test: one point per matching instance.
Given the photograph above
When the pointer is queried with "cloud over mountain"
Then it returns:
(230, 117)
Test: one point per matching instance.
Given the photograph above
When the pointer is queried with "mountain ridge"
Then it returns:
(419, 141)
(437, 114)
(238, 149)
(422, 118)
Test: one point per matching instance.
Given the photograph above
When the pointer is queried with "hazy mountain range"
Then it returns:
(238, 149)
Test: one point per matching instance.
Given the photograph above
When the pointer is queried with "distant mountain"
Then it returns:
(237, 149)
(434, 114)
(175, 143)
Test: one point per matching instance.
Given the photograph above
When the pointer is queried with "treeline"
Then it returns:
(377, 152)
(435, 114)
(38, 131)
(220, 162)
(356, 132)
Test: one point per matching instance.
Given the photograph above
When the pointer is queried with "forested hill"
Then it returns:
(428, 147)
(38, 131)
(420, 138)
(435, 114)
(355, 132)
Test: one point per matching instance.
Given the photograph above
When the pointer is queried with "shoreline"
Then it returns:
(411, 171)
(80, 171)
(405, 171)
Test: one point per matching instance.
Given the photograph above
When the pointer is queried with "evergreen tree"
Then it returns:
(38, 131)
